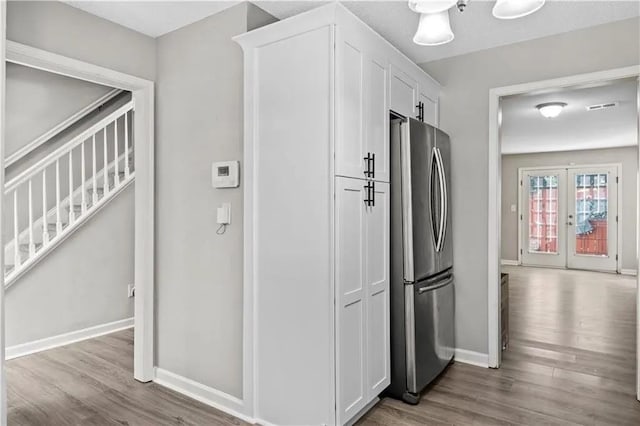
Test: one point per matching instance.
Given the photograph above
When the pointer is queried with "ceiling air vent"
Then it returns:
(602, 106)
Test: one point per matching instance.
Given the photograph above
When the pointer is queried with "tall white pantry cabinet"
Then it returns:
(318, 90)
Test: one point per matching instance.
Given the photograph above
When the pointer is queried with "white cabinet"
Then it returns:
(362, 136)
(318, 90)
(404, 93)
(362, 300)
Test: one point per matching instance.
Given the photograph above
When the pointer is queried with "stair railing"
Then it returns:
(105, 150)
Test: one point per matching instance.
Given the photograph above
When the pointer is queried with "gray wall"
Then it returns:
(83, 283)
(628, 156)
(464, 115)
(199, 273)
(80, 284)
(59, 28)
(38, 100)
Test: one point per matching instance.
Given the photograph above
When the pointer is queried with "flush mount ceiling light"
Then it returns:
(512, 9)
(434, 6)
(551, 109)
(434, 29)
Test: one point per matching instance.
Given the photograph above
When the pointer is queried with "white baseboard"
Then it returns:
(629, 272)
(66, 338)
(205, 394)
(505, 262)
(473, 358)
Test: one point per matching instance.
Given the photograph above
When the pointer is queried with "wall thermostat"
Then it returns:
(225, 174)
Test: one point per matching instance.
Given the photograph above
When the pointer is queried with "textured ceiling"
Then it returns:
(475, 29)
(525, 130)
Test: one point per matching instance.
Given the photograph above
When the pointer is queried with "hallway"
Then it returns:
(571, 360)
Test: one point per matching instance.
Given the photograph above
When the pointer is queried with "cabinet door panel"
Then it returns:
(377, 123)
(430, 110)
(351, 392)
(350, 115)
(402, 93)
(377, 222)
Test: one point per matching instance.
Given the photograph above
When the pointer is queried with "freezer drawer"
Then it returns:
(430, 330)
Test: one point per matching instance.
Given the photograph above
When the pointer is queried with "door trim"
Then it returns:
(143, 97)
(619, 201)
(494, 201)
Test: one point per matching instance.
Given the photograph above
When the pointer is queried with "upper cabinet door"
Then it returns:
(350, 103)
(403, 96)
(377, 118)
(430, 109)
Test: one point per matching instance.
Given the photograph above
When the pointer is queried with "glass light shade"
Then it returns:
(434, 29)
(551, 109)
(512, 9)
(431, 6)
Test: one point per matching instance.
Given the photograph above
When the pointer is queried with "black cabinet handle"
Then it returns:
(367, 160)
(372, 197)
(420, 115)
(367, 198)
(373, 168)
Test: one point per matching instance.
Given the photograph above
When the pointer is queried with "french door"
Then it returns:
(569, 218)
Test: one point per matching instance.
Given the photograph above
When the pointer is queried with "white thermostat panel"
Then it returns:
(225, 174)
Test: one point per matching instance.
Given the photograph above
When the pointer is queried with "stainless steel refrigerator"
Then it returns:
(422, 296)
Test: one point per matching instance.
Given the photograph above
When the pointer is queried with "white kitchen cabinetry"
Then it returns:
(413, 94)
(362, 299)
(317, 98)
(404, 93)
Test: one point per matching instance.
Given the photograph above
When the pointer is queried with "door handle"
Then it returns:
(367, 160)
(367, 197)
(435, 286)
(372, 197)
(569, 223)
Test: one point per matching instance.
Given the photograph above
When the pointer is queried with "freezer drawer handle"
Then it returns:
(436, 286)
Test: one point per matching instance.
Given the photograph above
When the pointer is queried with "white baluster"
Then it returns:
(94, 198)
(16, 242)
(126, 145)
(82, 178)
(72, 213)
(32, 245)
(116, 178)
(105, 170)
(45, 219)
(58, 218)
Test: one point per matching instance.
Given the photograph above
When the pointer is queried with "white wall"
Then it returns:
(37, 101)
(627, 156)
(464, 115)
(199, 273)
(83, 283)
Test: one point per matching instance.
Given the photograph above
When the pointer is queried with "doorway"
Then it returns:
(569, 217)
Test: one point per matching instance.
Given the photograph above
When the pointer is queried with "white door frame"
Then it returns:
(495, 191)
(619, 202)
(3, 379)
(143, 97)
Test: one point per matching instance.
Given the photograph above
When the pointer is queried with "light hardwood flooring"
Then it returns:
(571, 361)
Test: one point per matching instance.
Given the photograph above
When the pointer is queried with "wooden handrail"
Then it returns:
(55, 155)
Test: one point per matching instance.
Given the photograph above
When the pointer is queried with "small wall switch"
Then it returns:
(131, 290)
(514, 208)
(224, 214)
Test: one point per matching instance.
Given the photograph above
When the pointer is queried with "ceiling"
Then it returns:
(475, 29)
(524, 130)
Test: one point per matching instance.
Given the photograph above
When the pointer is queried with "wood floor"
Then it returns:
(91, 383)
(571, 361)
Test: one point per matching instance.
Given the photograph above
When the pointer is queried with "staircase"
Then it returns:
(49, 200)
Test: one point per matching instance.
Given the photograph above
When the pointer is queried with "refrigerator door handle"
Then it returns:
(436, 286)
(445, 201)
(442, 195)
(432, 197)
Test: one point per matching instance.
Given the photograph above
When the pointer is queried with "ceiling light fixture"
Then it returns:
(434, 29)
(551, 109)
(433, 6)
(512, 9)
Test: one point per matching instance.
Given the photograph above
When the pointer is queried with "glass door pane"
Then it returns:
(591, 198)
(543, 214)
